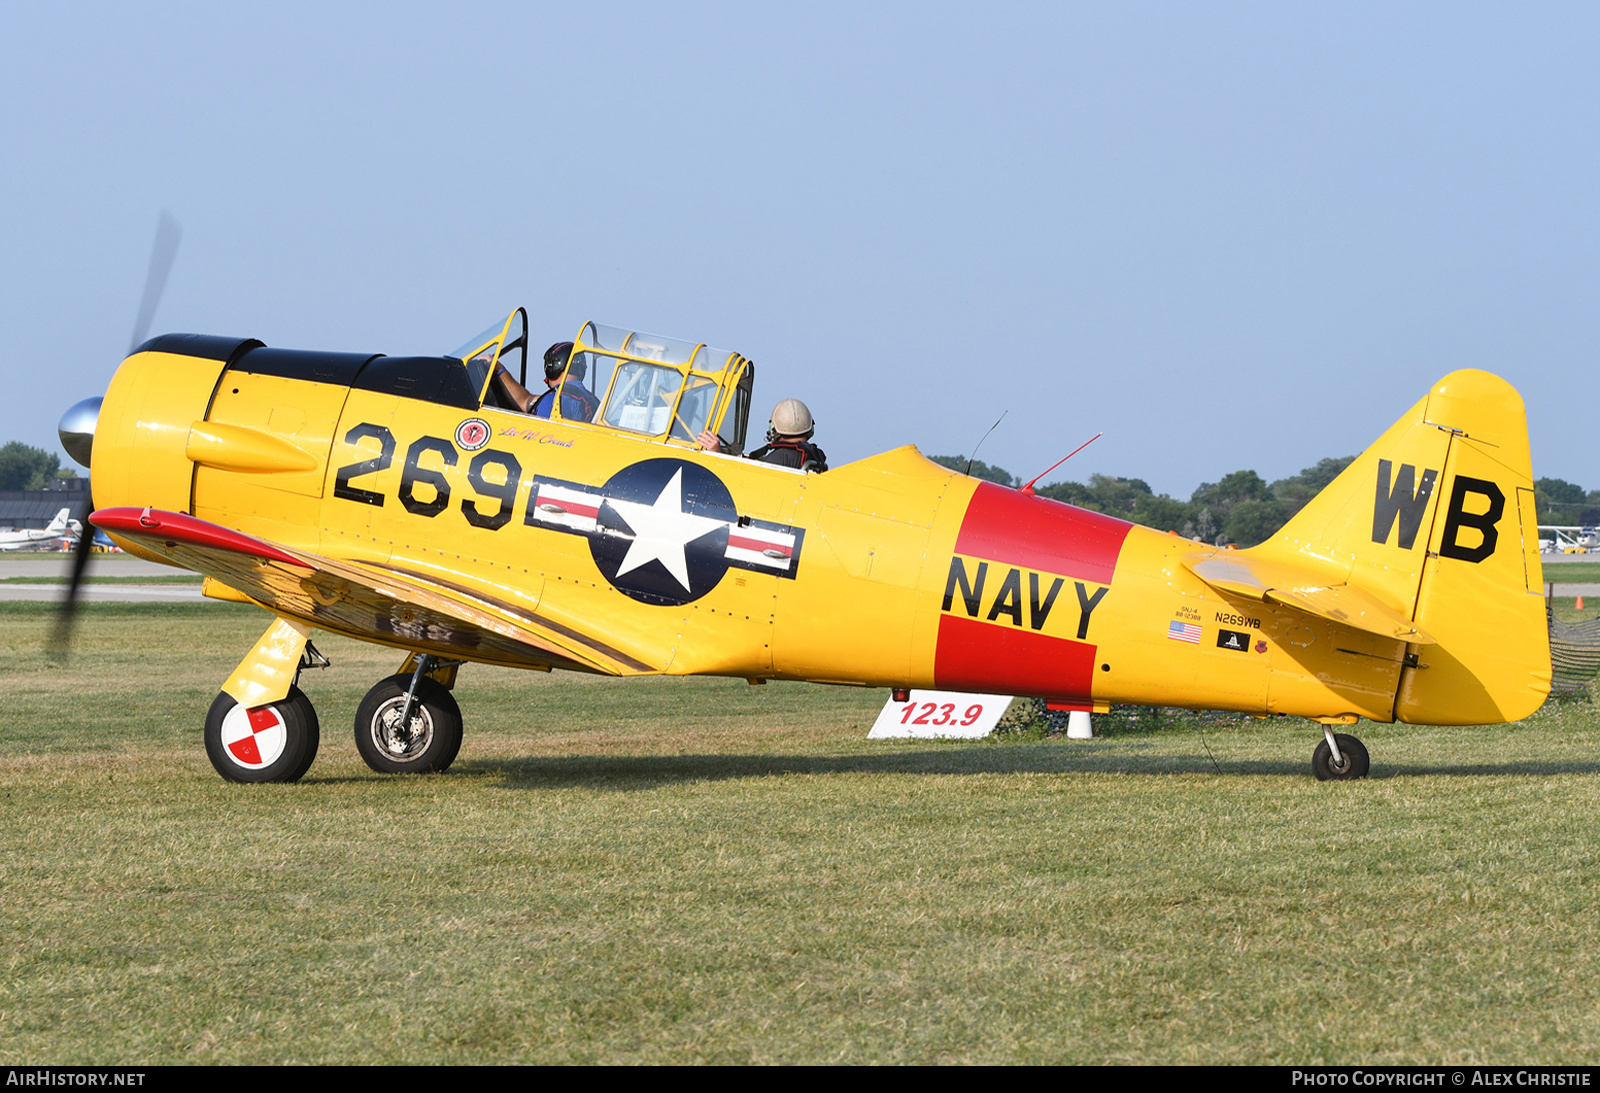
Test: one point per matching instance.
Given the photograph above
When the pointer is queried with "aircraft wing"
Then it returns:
(1303, 590)
(408, 609)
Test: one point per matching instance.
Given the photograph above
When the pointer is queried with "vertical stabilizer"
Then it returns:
(1437, 520)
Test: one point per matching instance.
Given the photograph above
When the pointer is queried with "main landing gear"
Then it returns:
(1339, 758)
(408, 723)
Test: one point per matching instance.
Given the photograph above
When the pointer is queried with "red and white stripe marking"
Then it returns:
(567, 508)
(254, 738)
(760, 546)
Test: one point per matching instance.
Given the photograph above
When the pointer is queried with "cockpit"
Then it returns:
(626, 380)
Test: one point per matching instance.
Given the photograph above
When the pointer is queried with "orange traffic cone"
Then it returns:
(1580, 603)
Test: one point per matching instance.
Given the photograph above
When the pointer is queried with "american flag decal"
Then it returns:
(1184, 631)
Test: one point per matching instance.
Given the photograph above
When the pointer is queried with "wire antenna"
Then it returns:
(1028, 489)
(984, 437)
(1203, 744)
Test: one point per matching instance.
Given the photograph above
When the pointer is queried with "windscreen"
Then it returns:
(641, 398)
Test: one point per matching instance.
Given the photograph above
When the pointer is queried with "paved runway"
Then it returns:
(101, 565)
(108, 593)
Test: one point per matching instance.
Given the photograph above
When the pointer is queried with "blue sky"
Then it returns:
(1226, 235)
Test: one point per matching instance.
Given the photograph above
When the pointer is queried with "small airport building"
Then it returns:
(27, 509)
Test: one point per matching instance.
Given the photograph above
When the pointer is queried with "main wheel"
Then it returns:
(271, 743)
(1352, 751)
(427, 742)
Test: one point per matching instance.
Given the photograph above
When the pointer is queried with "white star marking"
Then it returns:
(661, 530)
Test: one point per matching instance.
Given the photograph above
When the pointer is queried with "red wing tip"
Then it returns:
(179, 527)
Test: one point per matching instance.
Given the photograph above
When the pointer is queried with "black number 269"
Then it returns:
(431, 479)
(341, 485)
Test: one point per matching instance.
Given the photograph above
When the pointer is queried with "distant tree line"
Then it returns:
(1562, 502)
(1244, 508)
(25, 468)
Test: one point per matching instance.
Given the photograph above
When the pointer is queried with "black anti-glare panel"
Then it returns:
(431, 379)
(442, 380)
(209, 347)
(303, 364)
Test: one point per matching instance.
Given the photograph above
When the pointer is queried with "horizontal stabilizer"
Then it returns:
(1337, 601)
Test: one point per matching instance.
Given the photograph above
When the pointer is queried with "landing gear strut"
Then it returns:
(1340, 757)
(409, 723)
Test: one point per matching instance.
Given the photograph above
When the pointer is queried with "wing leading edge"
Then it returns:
(406, 608)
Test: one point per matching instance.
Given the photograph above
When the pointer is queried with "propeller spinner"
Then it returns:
(77, 429)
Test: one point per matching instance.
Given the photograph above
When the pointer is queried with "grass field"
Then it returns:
(1571, 572)
(700, 870)
(1565, 608)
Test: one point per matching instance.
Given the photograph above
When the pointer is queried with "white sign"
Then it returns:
(940, 714)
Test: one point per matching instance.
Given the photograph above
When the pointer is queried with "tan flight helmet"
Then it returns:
(791, 420)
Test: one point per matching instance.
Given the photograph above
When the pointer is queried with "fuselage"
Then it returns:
(891, 571)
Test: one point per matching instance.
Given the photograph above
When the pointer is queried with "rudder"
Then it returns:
(1482, 580)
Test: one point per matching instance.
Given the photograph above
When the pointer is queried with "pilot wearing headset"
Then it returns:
(577, 401)
(788, 444)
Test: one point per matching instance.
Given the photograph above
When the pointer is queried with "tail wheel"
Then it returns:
(272, 743)
(430, 737)
(1353, 753)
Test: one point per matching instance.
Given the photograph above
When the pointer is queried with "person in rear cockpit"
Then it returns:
(788, 439)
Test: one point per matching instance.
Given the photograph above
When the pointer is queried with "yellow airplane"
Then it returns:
(397, 500)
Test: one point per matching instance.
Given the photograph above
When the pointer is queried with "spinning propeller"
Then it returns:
(77, 424)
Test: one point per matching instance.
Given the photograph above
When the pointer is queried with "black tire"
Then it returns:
(272, 743)
(435, 729)
(1354, 752)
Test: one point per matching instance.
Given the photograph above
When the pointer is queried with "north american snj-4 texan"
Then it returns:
(400, 501)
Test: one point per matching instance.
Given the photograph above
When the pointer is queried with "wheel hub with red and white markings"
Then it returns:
(254, 738)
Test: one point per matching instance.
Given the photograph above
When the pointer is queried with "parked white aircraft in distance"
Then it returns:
(61, 525)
